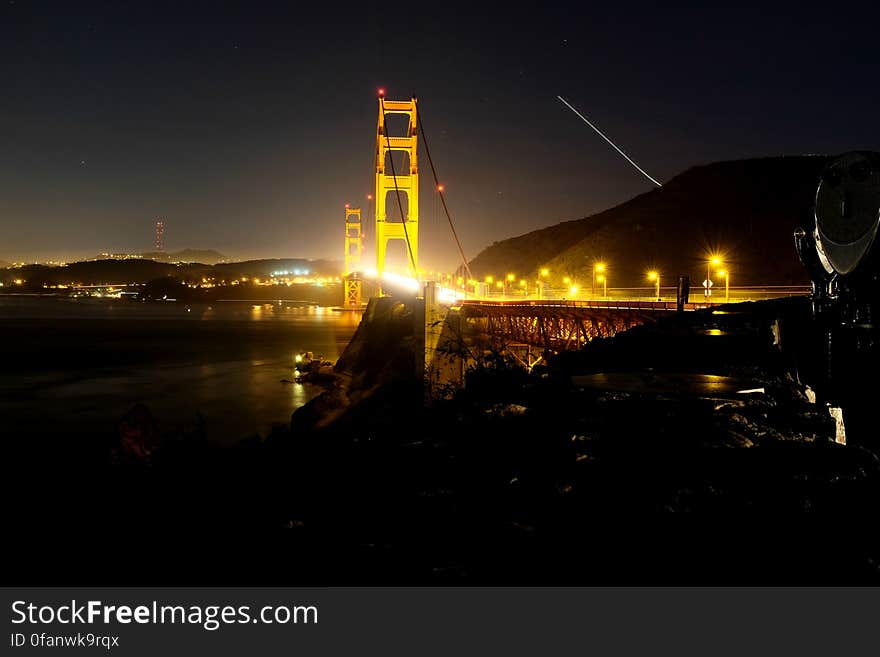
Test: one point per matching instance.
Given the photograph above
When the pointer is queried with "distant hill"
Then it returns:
(97, 272)
(140, 270)
(747, 209)
(205, 256)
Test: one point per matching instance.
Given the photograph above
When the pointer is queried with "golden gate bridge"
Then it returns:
(534, 317)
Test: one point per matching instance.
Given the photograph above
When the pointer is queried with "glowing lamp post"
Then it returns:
(714, 261)
(598, 268)
(601, 278)
(655, 277)
(726, 275)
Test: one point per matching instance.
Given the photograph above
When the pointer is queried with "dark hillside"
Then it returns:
(745, 209)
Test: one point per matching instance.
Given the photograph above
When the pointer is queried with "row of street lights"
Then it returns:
(600, 277)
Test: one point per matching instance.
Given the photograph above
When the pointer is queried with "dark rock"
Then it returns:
(138, 435)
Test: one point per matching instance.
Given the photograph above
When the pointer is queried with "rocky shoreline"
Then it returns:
(533, 462)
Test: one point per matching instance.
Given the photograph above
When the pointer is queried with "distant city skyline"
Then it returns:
(247, 129)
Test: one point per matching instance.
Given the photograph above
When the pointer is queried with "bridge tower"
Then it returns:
(390, 182)
(354, 249)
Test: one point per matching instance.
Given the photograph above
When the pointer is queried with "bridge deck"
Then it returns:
(535, 304)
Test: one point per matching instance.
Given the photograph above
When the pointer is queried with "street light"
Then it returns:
(604, 281)
(599, 267)
(726, 275)
(655, 276)
(507, 285)
(714, 261)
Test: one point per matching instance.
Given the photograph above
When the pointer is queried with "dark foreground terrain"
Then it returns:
(636, 460)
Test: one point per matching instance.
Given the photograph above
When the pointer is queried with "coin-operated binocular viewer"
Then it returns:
(842, 257)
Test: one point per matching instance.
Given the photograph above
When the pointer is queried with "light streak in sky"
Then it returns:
(601, 134)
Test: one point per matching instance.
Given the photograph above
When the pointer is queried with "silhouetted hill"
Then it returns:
(139, 270)
(111, 271)
(744, 209)
(207, 256)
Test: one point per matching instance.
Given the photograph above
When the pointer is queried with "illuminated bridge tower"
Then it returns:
(354, 249)
(391, 181)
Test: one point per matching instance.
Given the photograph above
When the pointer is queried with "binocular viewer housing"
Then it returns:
(841, 250)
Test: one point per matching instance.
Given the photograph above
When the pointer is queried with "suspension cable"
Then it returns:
(396, 188)
(439, 188)
(369, 214)
(369, 198)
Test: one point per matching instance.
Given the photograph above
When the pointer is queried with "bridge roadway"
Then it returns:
(622, 304)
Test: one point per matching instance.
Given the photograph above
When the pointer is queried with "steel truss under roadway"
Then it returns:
(559, 326)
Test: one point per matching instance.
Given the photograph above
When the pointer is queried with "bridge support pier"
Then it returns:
(434, 317)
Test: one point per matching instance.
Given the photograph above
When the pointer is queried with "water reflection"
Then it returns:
(67, 365)
(299, 395)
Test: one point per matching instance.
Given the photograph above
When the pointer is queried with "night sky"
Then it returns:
(248, 126)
